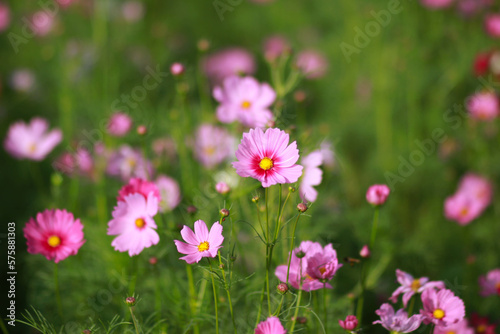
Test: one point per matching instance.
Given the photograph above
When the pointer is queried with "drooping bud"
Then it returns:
(291, 189)
(302, 207)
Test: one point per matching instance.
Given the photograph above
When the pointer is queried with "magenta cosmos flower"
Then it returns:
(377, 194)
(312, 176)
(228, 62)
(442, 307)
(4, 16)
(271, 326)
(350, 323)
(140, 186)
(213, 145)
(170, 193)
(244, 100)
(200, 243)
(483, 106)
(119, 124)
(397, 322)
(133, 223)
(55, 234)
(490, 284)
(267, 157)
(492, 25)
(461, 327)
(410, 286)
(31, 141)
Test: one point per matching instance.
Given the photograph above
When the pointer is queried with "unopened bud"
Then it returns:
(130, 301)
(282, 288)
(300, 254)
(222, 188)
(291, 189)
(142, 130)
(302, 207)
(232, 258)
(177, 69)
(299, 96)
(191, 209)
(221, 266)
(86, 331)
(153, 260)
(301, 320)
(365, 252)
(224, 212)
(255, 199)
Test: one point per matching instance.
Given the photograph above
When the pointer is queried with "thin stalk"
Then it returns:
(296, 313)
(410, 308)
(374, 227)
(259, 313)
(58, 294)
(2, 326)
(215, 297)
(324, 307)
(291, 248)
(192, 296)
(267, 252)
(134, 320)
(226, 287)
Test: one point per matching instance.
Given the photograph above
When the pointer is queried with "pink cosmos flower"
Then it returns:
(492, 25)
(228, 62)
(213, 145)
(350, 323)
(312, 64)
(472, 7)
(377, 194)
(133, 223)
(483, 106)
(55, 234)
(442, 307)
(22, 80)
(138, 186)
(328, 154)
(410, 286)
(275, 46)
(176, 69)
(398, 322)
(267, 157)
(461, 327)
(365, 252)
(4, 16)
(79, 162)
(323, 264)
(271, 326)
(31, 141)
(119, 124)
(222, 188)
(476, 187)
(127, 162)
(311, 177)
(170, 193)
(490, 284)
(244, 100)
(200, 243)
(42, 23)
(132, 11)
(437, 4)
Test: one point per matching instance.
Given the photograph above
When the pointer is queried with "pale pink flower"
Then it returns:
(170, 193)
(55, 234)
(244, 100)
(365, 252)
(222, 188)
(312, 64)
(133, 223)
(132, 11)
(79, 162)
(42, 23)
(127, 162)
(492, 24)
(490, 284)
(397, 322)
(213, 145)
(22, 80)
(322, 264)
(31, 141)
(176, 69)
(436, 4)
(4, 16)
(328, 154)
(350, 323)
(461, 327)
(228, 62)
(267, 157)
(272, 325)
(138, 186)
(275, 46)
(311, 177)
(442, 307)
(377, 194)
(200, 243)
(476, 187)
(410, 286)
(483, 106)
(119, 124)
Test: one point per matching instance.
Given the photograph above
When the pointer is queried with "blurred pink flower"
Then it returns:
(42, 23)
(127, 162)
(55, 234)
(328, 154)
(377, 194)
(244, 100)
(490, 284)
(461, 327)
(272, 325)
(483, 106)
(477, 187)
(492, 24)
(261, 1)
(138, 186)
(312, 64)
(22, 80)
(132, 11)
(437, 4)
(267, 157)
(350, 323)
(4, 16)
(213, 145)
(228, 62)
(65, 3)
(222, 188)
(79, 162)
(119, 124)
(133, 223)
(365, 252)
(176, 69)
(201, 243)
(311, 177)
(410, 286)
(170, 193)
(398, 322)
(442, 307)
(472, 7)
(31, 141)
(275, 46)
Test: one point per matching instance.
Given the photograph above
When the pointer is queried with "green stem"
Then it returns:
(226, 287)
(291, 248)
(2, 326)
(324, 307)
(215, 297)
(192, 296)
(134, 320)
(268, 251)
(260, 305)
(296, 313)
(410, 308)
(374, 228)
(58, 294)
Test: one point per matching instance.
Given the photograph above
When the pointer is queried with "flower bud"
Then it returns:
(153, 260)
(377, 194)
(300, 254)
(142, 130)
(177, 69)
(302, 207)
(291, 189)
(365, 252)
(130, 301)
(255, 199)
(282, 288)
(302, 320)
(224, 212)
(86, 331)
(350, 323)
(222, 188)
(221, 266)
(191, 209)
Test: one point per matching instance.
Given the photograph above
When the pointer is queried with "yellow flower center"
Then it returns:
(203, 246)
(131, 162)
(415, 285)
(245, 104)
(32, 148)
(54, 241)
(322, 270)
(481, 329)
(464, 212)
(266, 164)
(140, 223)
(438, 313)
(451, 332)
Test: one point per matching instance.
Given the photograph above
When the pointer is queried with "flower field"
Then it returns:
(250, 166)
